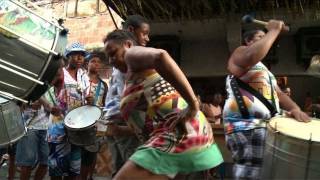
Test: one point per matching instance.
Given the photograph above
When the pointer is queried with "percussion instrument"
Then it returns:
(101, 134)
(30, 46)
(12, 127)
(292, 149)
(81, 125)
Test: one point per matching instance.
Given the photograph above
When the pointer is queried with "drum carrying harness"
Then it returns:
(236, 84)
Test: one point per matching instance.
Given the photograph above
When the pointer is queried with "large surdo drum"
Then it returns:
(30, 46)
(292, 150)
(12, 127)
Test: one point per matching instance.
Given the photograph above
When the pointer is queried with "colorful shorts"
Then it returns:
(64, 159)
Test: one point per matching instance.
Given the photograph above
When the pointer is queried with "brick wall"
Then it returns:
(89, 30)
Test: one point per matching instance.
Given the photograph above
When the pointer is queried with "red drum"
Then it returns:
(30, 46)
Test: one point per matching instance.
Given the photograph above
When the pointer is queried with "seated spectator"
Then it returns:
(212, 109)
(287, 90)
(308, 104)
(316, 108)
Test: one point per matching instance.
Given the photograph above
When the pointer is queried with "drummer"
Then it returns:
(95, 94)
(67, 94)
(245, 127)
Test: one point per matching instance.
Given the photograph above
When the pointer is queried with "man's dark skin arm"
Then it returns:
(244, 57)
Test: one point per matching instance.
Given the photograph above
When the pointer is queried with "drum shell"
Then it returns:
(12, 127)
(286, 157)
(81, 125)
(31, 49)
(82, 137)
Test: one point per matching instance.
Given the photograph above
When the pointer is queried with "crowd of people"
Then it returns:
(154, 124)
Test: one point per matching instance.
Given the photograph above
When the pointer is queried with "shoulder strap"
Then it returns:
(106, 88)
(239, 99)
(97, 92)
(258, 95)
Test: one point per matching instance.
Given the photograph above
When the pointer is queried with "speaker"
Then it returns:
(308, 44)
(170, 43)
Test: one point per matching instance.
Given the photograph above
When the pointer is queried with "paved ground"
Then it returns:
(4, 170)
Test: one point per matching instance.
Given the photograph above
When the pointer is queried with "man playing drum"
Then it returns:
(95, 94)
(67, 94)
(245, 114)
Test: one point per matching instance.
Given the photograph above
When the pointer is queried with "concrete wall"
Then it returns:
(206, 46)
(204, 58)
(300, 85)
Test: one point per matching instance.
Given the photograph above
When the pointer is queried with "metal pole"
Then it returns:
(10, 96)
(306, 175)
(21, 74)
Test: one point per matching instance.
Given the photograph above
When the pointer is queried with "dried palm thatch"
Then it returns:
(180, 10)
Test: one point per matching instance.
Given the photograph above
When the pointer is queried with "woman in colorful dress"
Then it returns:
(159, 104)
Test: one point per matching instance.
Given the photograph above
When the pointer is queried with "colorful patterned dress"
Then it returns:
(147, 102)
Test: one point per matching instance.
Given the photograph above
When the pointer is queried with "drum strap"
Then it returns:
(236, 83)
(239, 99)
(97, 92)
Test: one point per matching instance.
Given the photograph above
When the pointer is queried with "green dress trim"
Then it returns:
(159, 162)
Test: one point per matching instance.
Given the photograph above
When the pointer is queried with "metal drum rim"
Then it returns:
(289, 135)
(87, 127)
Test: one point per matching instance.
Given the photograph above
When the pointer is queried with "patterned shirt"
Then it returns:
(70, 97)
(98, 91)
(260, 79)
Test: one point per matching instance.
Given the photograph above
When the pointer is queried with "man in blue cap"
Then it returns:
(65, 158)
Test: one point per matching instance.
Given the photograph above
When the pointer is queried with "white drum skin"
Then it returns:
(291, 149)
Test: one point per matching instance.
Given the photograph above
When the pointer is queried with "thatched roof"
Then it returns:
(181, 10)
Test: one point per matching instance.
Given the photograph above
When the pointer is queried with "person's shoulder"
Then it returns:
(141, 50)
(239, 49)
(135, 50)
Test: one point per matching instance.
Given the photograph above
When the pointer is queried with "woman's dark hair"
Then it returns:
(249, 35)
(135, 21)
(120, 36)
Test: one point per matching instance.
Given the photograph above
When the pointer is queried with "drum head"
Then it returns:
(293, 128)
(82, 117)
(3, 100)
